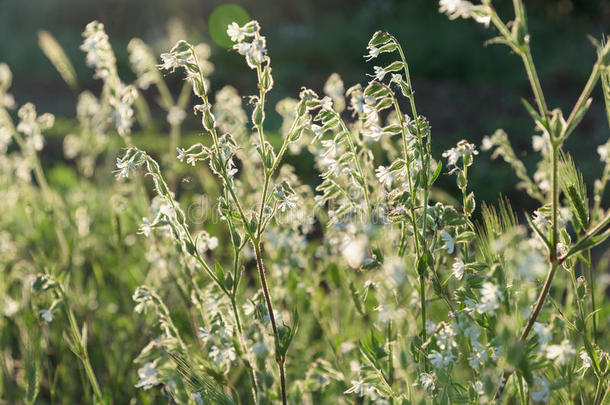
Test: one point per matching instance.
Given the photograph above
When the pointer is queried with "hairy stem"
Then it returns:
(263, 279)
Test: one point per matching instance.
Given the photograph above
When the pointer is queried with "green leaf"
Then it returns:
(587, 243)
(436, 173)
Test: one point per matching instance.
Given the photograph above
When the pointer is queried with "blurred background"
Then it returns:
(466, 89)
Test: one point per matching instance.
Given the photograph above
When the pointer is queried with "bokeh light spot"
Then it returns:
(221, 17)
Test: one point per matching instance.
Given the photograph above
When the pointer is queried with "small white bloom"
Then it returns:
(462, 150)
(543, 332)
(426, 381)
(46, 315)
(490, 297)
(456, 8)
(374, 132)
(354, 251)
(458, 268)
(235, 32)
(604, 152)
(384, 175)
(379, 73)
(148, 376)
(560, 353)
(449, 245)
(586, 361)
(439, 360)
(430, 327)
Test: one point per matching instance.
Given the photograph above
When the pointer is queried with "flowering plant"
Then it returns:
(371, 287)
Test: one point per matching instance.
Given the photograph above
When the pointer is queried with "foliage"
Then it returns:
(251, 286)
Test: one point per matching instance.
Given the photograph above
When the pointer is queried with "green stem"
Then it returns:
(263, 279)
(81, 347)
(350, 143)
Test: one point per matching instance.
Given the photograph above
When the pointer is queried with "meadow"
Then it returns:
(336, 258)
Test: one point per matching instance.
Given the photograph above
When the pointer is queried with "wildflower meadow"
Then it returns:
(211, 270)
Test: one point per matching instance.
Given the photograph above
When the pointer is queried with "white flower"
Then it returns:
(384, 175)
(478, 386)
(490, 296)
(487, 143)
(6, 77)
(255, 51)
(176, 115)
(395, 271)
(479, 355)
(46, 315)
(462, 150)
(235, 32)
(439, 360)
(373, 52)
(379, 73)
(543, 393)
(374, 132)
(148, 376)
(223, 355)
(458, 268)
(538, 143)
(586, 361)
(560, 353)
(445, 337)
(604, 152)
(426, 381)
(354, 251)
(456, 8)
(543, 332)
(449, 245)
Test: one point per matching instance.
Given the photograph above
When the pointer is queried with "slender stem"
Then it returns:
(530, 68)
(553, 259)
(350, 143)
(244, 349)
(81, 346)
(261, 273)
(425, 168)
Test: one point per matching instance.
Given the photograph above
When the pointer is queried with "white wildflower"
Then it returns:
(374, 132)
(379, 73)
(236, 33)
(6, 77)
(456, 8)
(543, 332)
(463, 150)
(458, 268)
(354, 251)
(175, 115)
(604, 152)
(439, 360)
(148, 376)
(46, 315)
(586, 361)
(449, 245)
(560, 353)
(384, 175)
(490, 297)
(395, 271)
(426, 381)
